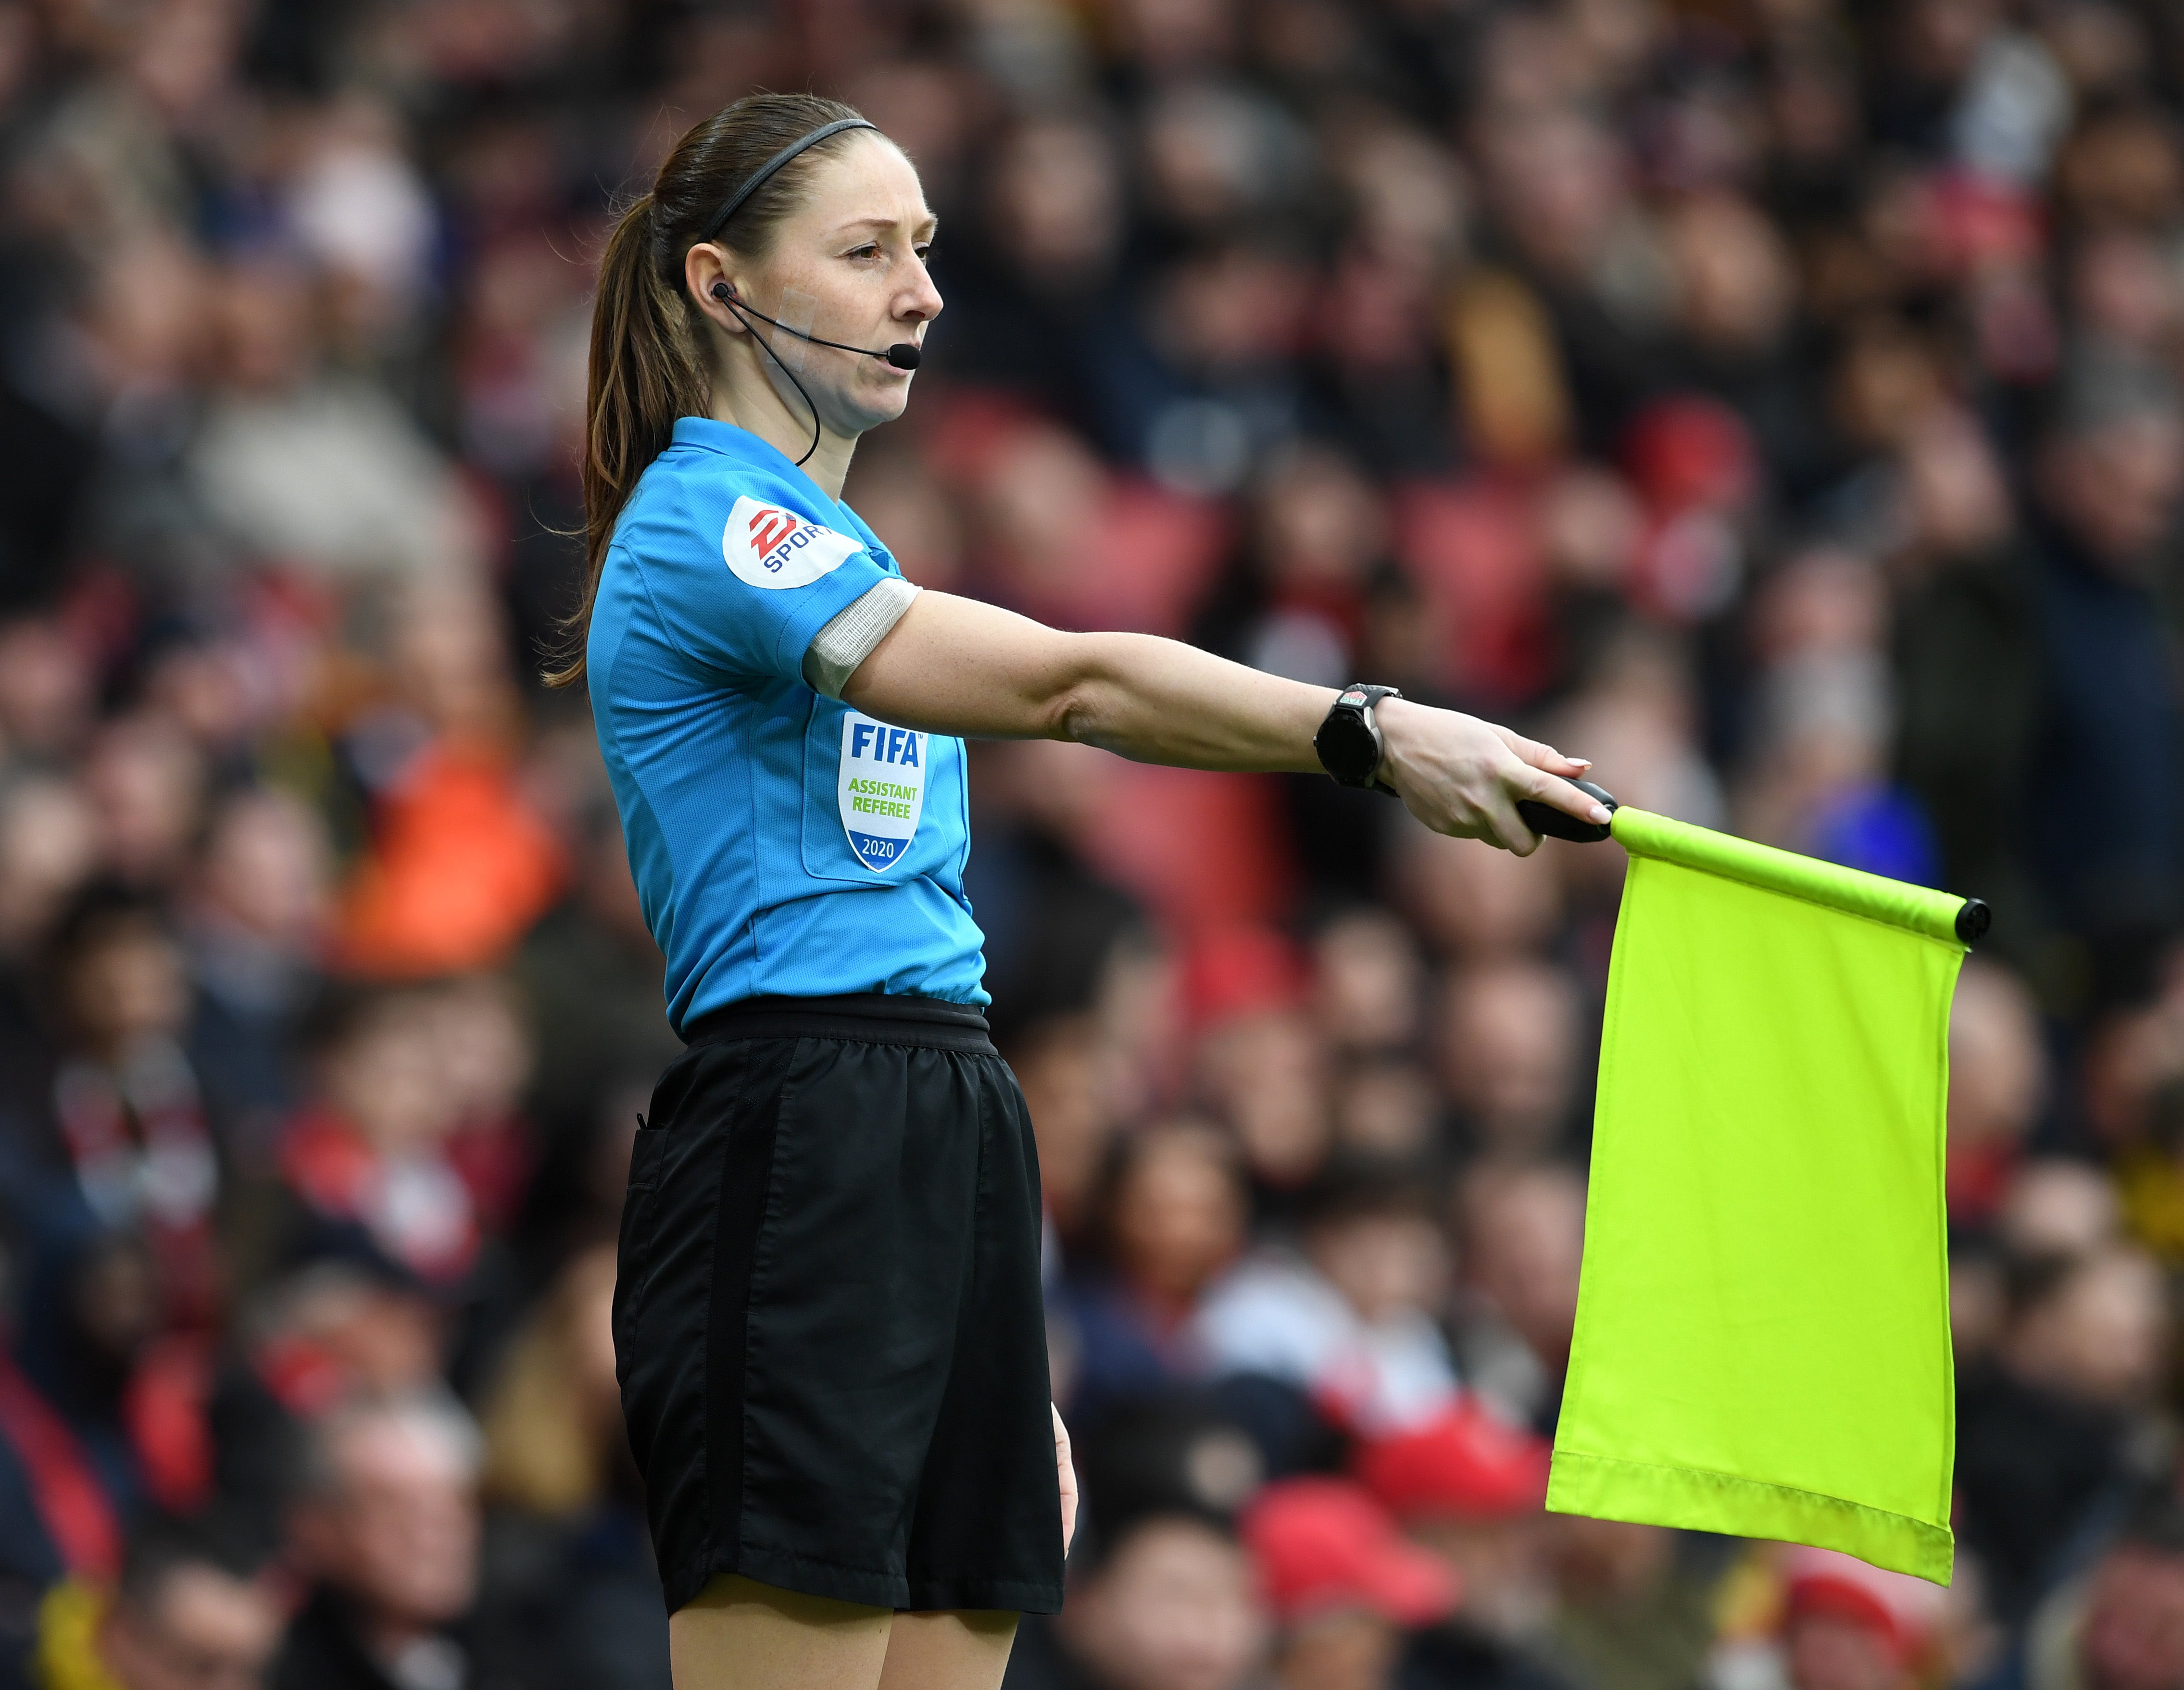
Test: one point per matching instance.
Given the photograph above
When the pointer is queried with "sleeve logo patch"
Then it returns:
(770, 547)
(881, 789)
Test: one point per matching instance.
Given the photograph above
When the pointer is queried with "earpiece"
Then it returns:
(723, 292)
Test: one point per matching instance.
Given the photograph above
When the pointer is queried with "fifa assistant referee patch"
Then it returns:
(772, 547)
(881, 789)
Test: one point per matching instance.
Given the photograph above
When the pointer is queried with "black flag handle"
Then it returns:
(1560, 824)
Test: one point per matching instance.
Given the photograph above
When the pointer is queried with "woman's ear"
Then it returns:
(705, 275)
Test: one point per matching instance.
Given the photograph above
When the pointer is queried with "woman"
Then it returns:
(827, 1317)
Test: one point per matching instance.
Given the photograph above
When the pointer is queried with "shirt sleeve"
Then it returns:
(748, 581)
(838, 648)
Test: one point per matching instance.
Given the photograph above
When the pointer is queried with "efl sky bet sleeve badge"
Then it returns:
(881, 789)
(771, 547)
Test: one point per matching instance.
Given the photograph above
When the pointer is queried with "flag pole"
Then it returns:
(1850, 890)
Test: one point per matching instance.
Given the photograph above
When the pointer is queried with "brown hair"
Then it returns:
(648, 363)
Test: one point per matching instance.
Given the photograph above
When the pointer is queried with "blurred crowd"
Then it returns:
(1776, 400)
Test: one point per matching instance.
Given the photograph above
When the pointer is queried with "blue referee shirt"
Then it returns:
(782, 841)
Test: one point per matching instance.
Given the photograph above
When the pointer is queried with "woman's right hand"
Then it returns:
(1463, 777)
(1065, 1473)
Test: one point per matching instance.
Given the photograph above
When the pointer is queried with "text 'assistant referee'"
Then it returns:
(769, 547)
(881, 789)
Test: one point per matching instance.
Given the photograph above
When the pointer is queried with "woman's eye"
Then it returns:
(866, 251)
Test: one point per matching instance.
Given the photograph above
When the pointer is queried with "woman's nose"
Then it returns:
(924, 301)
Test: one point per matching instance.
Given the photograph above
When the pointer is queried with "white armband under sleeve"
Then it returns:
(838, 648)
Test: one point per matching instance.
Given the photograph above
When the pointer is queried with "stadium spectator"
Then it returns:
(94, 1335)
(1343, 1586)
(146, 782)
(1508, 1045)
(368, 1160)
(1367, 981)
(1522, 1232)
(1170, 1214)
(1161, 1593)
(586, 973)
(2058, 1208)
(1261, 1065)
(2109, 475)
(1467, 1486)
(1348, 1321)
(386, 1528)
(1997, 1087)
(1631, 1609)
(2119, 1625)
(558, 1480)
(1846, 1625)
(1169, 1603)
(125, 1101)
(2045, 1433)
(334, 1329)
(189, 1612)
(253, 927)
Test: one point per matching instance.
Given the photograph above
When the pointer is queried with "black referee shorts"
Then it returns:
(827, 1322)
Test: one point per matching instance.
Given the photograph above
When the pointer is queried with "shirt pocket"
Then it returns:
(877, 808)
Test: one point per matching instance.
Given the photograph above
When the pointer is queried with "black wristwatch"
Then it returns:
(1349, 741)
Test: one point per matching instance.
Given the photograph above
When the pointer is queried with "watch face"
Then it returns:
(1346, 746)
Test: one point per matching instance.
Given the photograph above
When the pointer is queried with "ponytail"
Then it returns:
(647, 365)
(644, 372)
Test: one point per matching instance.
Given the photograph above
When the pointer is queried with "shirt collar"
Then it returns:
(711, 434)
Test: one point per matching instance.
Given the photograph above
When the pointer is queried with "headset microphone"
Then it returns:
(903, 355)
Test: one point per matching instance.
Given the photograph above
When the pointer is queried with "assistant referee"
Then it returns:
(827, 1323)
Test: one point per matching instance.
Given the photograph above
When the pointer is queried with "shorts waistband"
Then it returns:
(869, 1017)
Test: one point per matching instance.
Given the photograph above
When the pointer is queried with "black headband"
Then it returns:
(752, 182)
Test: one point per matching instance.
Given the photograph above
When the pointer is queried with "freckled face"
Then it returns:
(856, 249)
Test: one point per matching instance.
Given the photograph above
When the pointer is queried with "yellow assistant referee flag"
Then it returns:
(1762, 1325)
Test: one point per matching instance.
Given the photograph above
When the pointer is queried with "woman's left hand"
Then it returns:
(1065, 1471)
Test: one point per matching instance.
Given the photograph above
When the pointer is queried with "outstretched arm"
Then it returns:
(955, 665)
